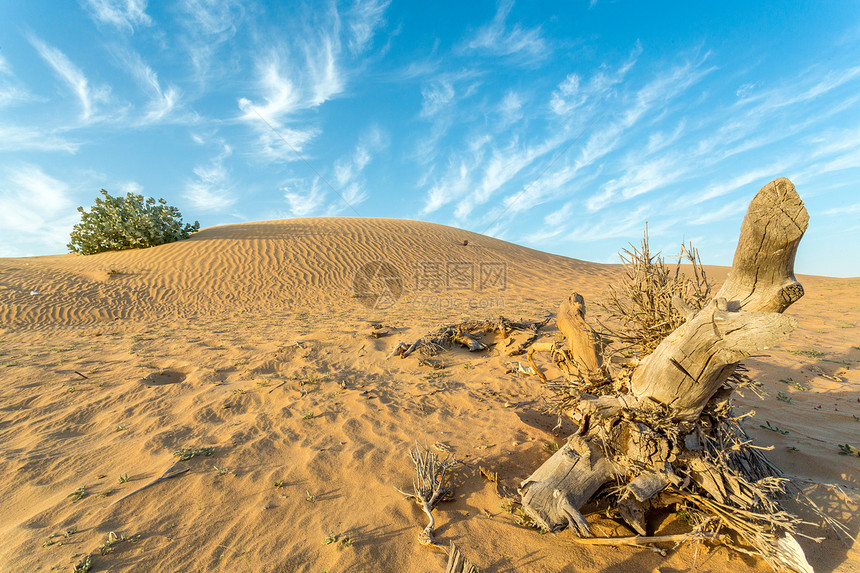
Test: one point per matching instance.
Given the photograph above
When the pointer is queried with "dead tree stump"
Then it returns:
(645, 439)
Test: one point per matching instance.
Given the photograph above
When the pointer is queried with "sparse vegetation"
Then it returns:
(811, 353)
(130, 222)
(794, 384)
(767, 426)
(783, 397)
(310, 497)
(643, 302)
(185, 454)
(330, 538)
(433, 482)
(78, 494)
(83, 566)
(848, 450)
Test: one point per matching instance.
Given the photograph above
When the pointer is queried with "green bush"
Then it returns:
(130, 222)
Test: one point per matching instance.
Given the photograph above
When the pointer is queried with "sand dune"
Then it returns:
(256, 341)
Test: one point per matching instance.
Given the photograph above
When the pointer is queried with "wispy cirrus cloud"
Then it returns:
(162, 101)
(88, 95)
(209, 25)
(526, 45)
(212, 188)
(36, 211)
(124, 14)
(573, 93)
(288, 85)
(348, 171)
(363, 19)
(34, 138)
(11, 91)
(436, 96)
(304, 199)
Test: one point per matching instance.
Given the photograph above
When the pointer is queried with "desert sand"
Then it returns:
(252, 340)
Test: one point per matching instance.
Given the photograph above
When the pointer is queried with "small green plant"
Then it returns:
(767, 426)
(279, 484)
(221, 471)
(308, 416)
(121, 427)
(130, 222)
(346, 541)
(685, 515)
(794, 384)
(856, 418)
(83, 566)
(79, 493)
(310, 497)
(123, 478)
(551, 446)
(468, 366)
(783, 398)
(809, 353)
(106, 493)
(185, 454)
(848, 450)
(330, 538)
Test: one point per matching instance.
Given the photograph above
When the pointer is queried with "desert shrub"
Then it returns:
(643, 301)
(130, 222)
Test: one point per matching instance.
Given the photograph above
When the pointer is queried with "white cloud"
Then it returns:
(363, 19)
(455, 183)
(727, 211)
(212, 189)
(511, 108)
(209, 24)
(571, 93)
(287, 86)
(10, 91)
(124, 14)
(32, 138)
(639, 178)
(846, 210)
(613, 225)
(36, 212)
(436, 96)
(498, 39)
(131, 187)
(762, 175)
(348, 171)
(303, 201)
(163, 101)
(73, 76)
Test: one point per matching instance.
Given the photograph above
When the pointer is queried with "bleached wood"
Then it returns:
(553, 494)
(583, 342)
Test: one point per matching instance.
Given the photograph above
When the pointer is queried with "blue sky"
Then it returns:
(562, 126)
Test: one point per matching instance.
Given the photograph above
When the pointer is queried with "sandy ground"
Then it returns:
(253, 340)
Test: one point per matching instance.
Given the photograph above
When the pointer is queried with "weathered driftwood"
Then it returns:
(457, 563)
(552, 499)
(583, 343)
(468, 335)
(690, 365)
(659, 435)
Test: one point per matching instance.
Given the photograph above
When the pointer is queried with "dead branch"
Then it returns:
(457, 563)
(431, 484)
